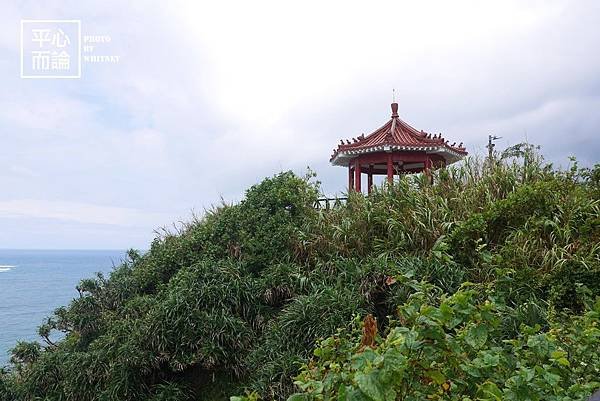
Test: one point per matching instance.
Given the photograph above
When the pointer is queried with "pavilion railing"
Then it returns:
(330, 203)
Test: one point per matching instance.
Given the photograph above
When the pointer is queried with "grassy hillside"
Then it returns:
(491, 272)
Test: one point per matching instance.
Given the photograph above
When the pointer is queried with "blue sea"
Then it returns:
(34, 283)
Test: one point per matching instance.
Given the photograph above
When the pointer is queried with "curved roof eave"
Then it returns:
(341, 158)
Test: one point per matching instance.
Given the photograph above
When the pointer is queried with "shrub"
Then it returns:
(451, 350)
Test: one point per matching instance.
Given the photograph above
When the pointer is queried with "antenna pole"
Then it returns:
(490, 146)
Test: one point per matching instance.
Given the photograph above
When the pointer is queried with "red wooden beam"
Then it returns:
(357, 175)
(390, 168)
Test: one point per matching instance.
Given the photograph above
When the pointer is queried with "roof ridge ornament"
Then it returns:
(395, 110)
(389, 135)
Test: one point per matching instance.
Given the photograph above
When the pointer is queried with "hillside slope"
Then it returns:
(235, 302)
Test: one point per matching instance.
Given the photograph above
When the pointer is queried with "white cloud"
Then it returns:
(46, 114)
(82, 213)
(210, 97)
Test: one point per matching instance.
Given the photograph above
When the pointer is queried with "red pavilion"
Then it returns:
(395, 148)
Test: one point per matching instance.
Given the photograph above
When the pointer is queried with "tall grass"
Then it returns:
(237, 299)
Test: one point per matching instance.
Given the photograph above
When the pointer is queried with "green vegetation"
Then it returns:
(484, 286)
(455, 348)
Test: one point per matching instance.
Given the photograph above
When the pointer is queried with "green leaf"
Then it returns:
(293, 397)
(369, 386)
(360, 361)
(436, 376)
(559, 357)
(477, 336)
(356, 395)
(390, 394)
(394, 364)
(342, 392)
(489, 391)
(551, 378)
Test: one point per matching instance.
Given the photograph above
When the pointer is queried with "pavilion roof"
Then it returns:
(397, 135)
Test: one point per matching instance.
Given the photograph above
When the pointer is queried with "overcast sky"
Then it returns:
(208, 98)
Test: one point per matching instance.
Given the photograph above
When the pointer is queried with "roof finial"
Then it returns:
(394, 104)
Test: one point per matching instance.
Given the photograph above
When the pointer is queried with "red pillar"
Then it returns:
(427, 164)
(370, 178)
(390, 168)
(350, 178)
(357, 175)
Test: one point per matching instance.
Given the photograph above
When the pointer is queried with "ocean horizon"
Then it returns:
(34, 282)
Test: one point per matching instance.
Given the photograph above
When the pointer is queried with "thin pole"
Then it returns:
(490, 146)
